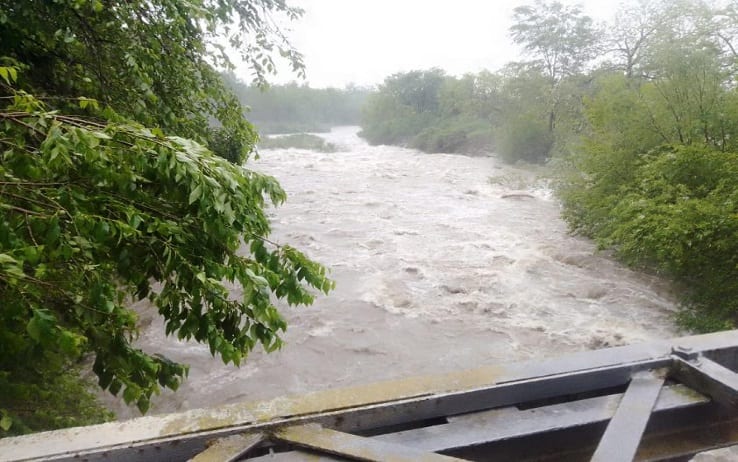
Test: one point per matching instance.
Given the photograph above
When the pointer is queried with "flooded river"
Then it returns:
(442, 262)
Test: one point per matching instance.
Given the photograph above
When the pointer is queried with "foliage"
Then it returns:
(404, 105)
(110, 196)
(562, 40)
(298, 141)
(654, 175)
(440, 139)
(430, 111)
(500, 111)
(679, 216)
(153, 61)
(560, 37)
(100, 214)
(294, 108)
(49, 396)
(524, 137)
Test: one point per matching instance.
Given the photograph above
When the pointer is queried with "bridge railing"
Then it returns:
(662, 400)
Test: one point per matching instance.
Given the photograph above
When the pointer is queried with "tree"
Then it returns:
(561, 39)
(638, 26)
(109, 196)
(417, 90)
(523, 132)
(403, 106)
(152, 61)
(432, 112)
(655, 173)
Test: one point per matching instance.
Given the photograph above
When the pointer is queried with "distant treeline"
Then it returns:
(484, 112)
(295, 108)
(639, 115)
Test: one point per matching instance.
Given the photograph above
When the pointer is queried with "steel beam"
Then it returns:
(354, 447)
(625, 430)
(297, 456)
(368, 409)
(229, 449)
(708, 377)
(486, 427)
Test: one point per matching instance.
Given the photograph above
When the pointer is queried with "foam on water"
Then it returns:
(442, 262)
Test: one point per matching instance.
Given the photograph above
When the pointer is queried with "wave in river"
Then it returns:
(442, 262)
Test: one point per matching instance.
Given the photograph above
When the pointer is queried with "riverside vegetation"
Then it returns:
(294, 108)
(639, 117)
(298, 141)
(114, 187)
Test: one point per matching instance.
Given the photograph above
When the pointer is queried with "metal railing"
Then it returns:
(665, 400)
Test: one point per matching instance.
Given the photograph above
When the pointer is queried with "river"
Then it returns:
(442, 262)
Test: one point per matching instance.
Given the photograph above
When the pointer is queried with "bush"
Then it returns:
(458, 134)
(678, 215)
(524, 138)
(48, 397)
(438, 139)
(299, 141)
(481, 140)
(396, 129)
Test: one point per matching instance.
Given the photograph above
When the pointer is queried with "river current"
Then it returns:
(442, 262)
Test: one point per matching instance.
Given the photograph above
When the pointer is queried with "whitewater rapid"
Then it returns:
(442, 262)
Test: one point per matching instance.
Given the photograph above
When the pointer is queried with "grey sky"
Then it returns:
(363, 41)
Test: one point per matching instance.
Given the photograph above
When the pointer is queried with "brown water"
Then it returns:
(442, 262)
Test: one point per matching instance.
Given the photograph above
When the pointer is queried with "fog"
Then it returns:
(363, 41)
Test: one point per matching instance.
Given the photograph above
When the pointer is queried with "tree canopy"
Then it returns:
(559, 37)
(111, 193)
(155, 62)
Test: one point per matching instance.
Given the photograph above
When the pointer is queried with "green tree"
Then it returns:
(523, 131)
(430, 111)
(561, 40)
(152, 61)
(404, 105)
(109, 196)
(655, 175)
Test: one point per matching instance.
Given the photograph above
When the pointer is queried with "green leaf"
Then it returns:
(5, 258)
(5, 74)
(98, 211)
(6, 422)
(34, 329)
(195, 194)
(143, 404)
(131, 393)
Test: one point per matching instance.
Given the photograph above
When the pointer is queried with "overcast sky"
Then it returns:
(363, 41)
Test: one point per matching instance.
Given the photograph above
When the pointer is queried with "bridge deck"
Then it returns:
(665, 400)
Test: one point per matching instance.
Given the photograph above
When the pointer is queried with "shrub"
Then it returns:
(299, 141)
(524, 138)
(678, 215)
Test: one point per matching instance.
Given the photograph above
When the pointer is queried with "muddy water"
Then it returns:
(442, 262)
